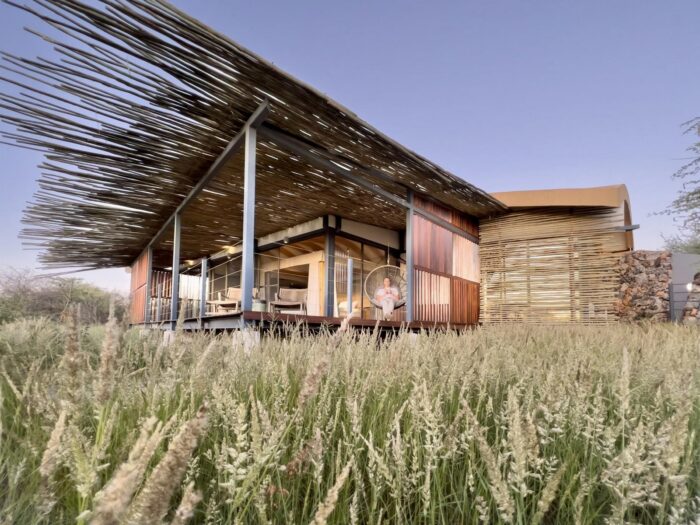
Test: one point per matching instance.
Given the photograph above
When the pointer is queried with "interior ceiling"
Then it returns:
(141, 101)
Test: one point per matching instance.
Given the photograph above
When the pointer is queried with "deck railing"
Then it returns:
(273, 271)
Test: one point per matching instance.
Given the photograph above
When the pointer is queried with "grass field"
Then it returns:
(508, 424)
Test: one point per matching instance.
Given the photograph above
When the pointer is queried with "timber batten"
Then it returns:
(548, 265)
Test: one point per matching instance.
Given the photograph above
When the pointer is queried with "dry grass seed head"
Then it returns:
(328, 505)
(112, 502)
(152, 503)
(108, 358)
(190, 500)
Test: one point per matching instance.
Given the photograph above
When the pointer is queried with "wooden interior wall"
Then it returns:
(137, 295)
(446, 267)
(550, 266)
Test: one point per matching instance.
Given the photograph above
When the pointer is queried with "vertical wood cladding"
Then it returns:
(465, 259)
(139, 277)
(432, 246)
(446, 267)
(465, 301)
(432, 297)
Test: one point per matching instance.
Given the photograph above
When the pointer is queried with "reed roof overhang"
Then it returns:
(140, 101)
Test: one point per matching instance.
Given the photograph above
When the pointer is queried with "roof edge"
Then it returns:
(597, 196)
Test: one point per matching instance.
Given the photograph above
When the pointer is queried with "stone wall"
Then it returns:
(645, 277)
(691, 311)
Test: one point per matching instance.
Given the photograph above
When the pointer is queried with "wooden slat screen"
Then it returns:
(432, 297)
(465, 222)
(550, 266)
(137, 296)
(438, 209)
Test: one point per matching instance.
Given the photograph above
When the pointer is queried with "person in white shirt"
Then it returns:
(387, 296)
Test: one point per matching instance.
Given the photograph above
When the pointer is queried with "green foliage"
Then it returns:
(23, 294)
(687, 205)
(504, 424)
(687, 243)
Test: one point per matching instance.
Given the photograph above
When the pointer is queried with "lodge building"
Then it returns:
(237, 195)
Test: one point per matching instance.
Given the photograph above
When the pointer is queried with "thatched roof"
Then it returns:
(143, 99)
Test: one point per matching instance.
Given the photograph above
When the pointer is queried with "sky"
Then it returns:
(508, 95)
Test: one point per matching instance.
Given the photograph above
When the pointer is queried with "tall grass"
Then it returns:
(497, 425)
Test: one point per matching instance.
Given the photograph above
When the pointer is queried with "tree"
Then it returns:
(687, 205)
(23, 294)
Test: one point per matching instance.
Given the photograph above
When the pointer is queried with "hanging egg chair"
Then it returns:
(386, 297)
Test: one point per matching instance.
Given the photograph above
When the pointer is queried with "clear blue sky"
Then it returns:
(506, 94)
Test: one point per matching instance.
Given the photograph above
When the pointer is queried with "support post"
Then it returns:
(330, 271)
(349, 299)
(175, 301)
(409, 258)
(203, 288)
(159, 304)
(149, 274)
(255, 120)
(248, 253)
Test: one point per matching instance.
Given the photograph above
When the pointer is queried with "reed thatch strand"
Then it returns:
(137, 101)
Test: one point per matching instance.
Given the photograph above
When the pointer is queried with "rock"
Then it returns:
(644, 291)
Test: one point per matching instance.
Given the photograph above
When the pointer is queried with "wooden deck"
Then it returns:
(238, 320)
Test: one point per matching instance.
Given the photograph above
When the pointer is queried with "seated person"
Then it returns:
(387, 296)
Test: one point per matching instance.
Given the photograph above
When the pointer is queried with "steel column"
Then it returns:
(349, 299)
(255, 120)
(175, 296)
(159, 304)
(330, 271)
(409, 259)
(203, 288)
(149, 270)
(248, 253)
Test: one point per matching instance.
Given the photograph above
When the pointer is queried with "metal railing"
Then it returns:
(273, 271)
(677, 297)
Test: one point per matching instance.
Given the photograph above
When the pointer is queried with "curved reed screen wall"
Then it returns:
(551, 265)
